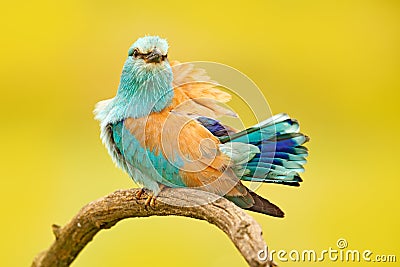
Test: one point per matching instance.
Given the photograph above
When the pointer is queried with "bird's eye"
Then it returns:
(135, 52)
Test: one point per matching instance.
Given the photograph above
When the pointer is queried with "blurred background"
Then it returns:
(333, 65)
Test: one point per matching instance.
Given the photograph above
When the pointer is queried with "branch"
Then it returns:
(105, 212)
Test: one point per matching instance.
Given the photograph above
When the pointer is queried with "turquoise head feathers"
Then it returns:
(146, 81)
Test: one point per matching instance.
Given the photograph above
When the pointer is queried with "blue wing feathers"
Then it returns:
(214, 126)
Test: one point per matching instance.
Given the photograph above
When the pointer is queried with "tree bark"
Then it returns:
(105, 212)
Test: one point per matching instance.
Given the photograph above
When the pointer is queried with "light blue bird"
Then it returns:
(161, 128)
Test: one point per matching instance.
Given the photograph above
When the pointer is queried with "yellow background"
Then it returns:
(333, 65)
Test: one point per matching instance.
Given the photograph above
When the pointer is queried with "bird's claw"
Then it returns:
(139, 193)
(151, 197)
(150, 201)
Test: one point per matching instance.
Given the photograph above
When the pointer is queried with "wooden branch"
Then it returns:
(105, 212)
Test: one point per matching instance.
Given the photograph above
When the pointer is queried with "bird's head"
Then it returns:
(146, 79)
(149, 52)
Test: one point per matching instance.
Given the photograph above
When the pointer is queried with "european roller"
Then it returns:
(162, 128)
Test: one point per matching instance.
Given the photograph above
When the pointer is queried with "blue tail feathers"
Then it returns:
(282, 154)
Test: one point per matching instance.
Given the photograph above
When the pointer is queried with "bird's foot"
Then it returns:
(151, 199)
(139, 193)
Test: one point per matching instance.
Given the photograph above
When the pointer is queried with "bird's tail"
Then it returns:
(262, 205)
(280, 155)
(249, 200)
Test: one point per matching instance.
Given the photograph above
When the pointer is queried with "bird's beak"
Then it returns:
(155, 56)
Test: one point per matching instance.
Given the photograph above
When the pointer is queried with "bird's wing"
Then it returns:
(196, 94)
(182, 142)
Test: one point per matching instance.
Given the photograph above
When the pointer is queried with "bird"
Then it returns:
(162, 128)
